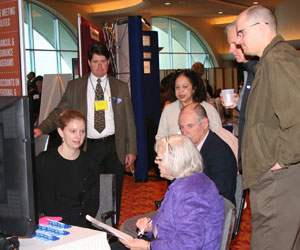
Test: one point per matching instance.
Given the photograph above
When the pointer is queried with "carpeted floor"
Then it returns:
(138, 198)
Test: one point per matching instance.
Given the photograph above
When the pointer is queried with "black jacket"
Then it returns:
(220, 165)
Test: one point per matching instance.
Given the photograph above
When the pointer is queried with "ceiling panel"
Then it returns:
(197, 8)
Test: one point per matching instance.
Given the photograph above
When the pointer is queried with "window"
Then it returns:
(181, 48)
(49, 45)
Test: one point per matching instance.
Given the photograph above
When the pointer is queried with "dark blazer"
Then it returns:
(75, 98)
(220, 165)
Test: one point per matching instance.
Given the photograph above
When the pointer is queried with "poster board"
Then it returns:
(54, 86)
(122, 53)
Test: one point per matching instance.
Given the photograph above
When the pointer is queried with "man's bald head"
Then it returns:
(256, 27)
(193, 122)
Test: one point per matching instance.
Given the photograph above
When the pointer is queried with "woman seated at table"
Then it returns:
(68, 184)
(186, 88)
(192, 212)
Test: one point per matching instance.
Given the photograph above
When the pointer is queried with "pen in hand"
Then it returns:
(140, 234)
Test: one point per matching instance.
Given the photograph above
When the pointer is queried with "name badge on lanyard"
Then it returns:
(101, 105)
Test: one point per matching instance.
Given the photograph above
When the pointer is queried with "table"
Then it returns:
(78, 239)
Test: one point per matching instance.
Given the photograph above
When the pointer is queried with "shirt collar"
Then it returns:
(250, 65)
(95, 78)
(202, 142)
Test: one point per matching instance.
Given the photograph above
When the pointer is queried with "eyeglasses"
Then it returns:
(240, 33)
(170, 149)
(157, 160)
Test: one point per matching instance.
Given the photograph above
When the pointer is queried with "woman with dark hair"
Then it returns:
(186, 88)
(68, 183)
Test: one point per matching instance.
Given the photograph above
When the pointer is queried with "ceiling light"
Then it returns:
(220, 12)
(167, 3)
(255, 2)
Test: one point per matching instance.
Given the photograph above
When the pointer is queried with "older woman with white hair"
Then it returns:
(192, 212)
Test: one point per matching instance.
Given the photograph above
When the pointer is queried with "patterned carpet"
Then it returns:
(138, 198)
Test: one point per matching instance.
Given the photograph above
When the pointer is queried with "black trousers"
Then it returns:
(104, 152)
(120, 246)
(117, 246)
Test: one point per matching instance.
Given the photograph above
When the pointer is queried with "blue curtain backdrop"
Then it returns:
(151, 93)
(137, 90)
(145, 92)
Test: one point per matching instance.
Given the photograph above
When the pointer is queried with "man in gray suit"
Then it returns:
(114, 144)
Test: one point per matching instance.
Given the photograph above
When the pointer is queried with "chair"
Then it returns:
(240, 195)
(41, 144)
(107, 207)
(228, 223)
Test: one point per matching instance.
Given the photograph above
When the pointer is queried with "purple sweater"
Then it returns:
(190, 217)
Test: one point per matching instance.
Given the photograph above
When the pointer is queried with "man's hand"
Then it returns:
(235, 99)
(129, 159)
(276, 167)
(37, 132)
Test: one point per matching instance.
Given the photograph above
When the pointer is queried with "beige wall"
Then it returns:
(288, 18)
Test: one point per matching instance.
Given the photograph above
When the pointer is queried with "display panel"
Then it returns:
(17, 205)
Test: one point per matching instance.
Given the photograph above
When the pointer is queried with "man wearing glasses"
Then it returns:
(271, 138)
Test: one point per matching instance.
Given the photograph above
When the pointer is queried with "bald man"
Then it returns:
(271, 138)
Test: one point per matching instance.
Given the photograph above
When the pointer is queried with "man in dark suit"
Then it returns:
(106, 103)
(218, 158)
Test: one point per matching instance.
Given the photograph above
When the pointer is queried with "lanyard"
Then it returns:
(100, 83)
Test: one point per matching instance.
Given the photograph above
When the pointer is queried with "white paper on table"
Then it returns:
(110, 229)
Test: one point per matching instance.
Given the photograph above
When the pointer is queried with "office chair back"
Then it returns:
(107, 206)
(41, 144)
(228, 223)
